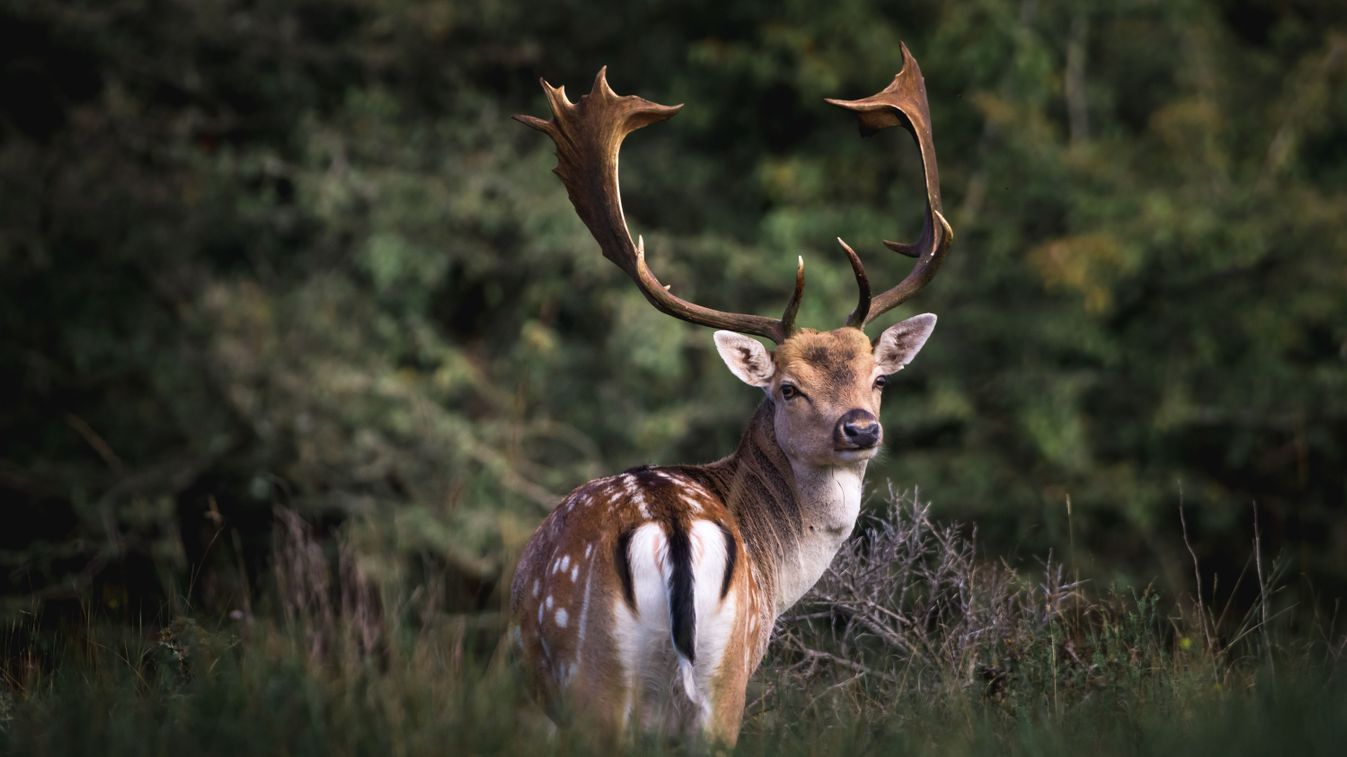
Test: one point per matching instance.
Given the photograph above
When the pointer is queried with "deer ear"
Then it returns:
(901, 342)
(746, 357)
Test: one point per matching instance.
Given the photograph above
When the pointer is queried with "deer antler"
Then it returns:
(588, 136)
(903, 103)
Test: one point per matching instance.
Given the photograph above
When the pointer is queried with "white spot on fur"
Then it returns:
(584, 617)
(693, 505)
(562, 617)
(540, 614)
(548, 603)
(639, 499)
(575, 572)
(589, 549)
(565, 563)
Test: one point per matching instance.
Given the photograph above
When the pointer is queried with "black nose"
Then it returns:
(858, 429)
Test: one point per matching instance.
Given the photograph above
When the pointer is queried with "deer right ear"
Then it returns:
(746, 357)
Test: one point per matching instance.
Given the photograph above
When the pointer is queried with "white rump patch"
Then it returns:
(644, 639)
(648, 556)
(715, 617)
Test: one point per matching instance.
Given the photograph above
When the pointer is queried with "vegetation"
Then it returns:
(911, 643)
(299, 339)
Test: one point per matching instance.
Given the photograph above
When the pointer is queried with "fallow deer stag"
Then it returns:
(647, 599)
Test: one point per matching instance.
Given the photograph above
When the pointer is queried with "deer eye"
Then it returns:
(789, 392)
(881, 381)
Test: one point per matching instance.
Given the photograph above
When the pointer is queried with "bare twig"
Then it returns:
(1262, 589)
(1197, 579)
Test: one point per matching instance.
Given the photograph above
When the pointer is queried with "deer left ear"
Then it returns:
(901, 342)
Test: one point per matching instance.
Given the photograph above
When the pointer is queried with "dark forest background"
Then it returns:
(294, 256)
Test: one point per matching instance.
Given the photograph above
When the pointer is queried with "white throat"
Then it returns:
(830, 500)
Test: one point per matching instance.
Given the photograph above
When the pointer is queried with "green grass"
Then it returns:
(978, 660)
(260, 691)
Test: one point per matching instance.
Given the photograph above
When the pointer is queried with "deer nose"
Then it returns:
(858, 429)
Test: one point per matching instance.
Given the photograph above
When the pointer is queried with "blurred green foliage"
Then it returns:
(295, 254)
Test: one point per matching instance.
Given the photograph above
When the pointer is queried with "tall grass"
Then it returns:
(910, 643)
(911, 639)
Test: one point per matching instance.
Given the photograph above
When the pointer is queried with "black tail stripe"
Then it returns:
(682, 609)
(623, 560)
(731, 555)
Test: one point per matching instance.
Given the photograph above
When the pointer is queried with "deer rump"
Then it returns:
(676, 579)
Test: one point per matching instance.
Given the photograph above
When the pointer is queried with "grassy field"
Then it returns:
(301, 337)
(910, 644)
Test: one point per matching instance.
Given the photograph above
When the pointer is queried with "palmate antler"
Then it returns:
(903, 103)
(588, 137)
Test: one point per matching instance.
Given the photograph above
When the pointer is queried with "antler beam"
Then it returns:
(588, 136)
(903, 103)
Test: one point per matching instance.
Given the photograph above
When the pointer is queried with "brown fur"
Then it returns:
(754, 494)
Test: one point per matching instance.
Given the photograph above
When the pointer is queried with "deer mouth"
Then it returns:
(856, 454)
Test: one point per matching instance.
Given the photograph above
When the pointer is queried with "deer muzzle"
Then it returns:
(857, 429)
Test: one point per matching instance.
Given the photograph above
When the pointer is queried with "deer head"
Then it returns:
(826, 386)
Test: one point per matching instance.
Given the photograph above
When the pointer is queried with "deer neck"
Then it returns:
(793, 517)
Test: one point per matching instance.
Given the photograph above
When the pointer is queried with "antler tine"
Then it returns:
(793, 304)
(903, 103)
(588, 137)
(858, 317)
